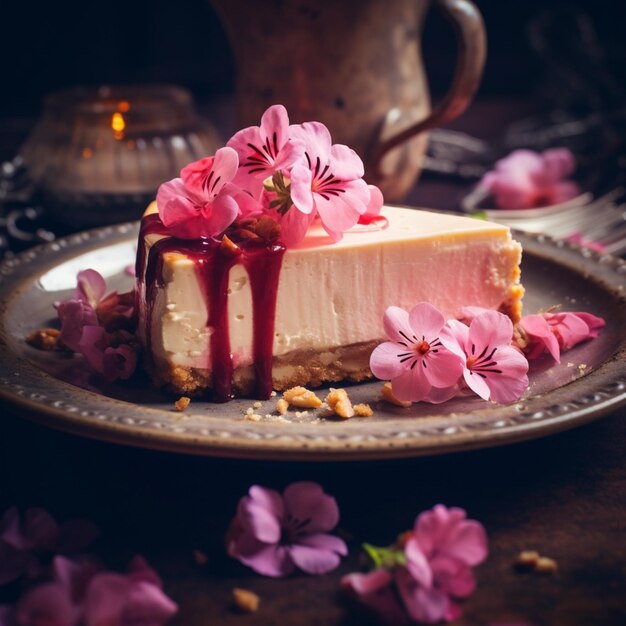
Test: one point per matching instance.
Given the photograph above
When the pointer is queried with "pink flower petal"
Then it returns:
(307, 501)
(595, 324)
(443, 368)
(75, 315)
(294, 226)
(316, 138)
(509, 385)
(48, 603)
(558, 163)
(411, 386)
(119, 363)
(365, 584)
(541, 336)
(262, 523)
(315, 559)
(426, 321)
(427, 606)
(417, 563)
(274, 126)
(90, 287)
(490, 329)
(439, 395)
(345, 162)
(301, 194)
(205, 178)
(477, 384)
(562, 192)
(385, 362)
(396, 325)
(266, 559)
(453, 577)
(376, 201)
(467, 542)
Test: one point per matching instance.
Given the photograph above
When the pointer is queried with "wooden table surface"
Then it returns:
(563, 495)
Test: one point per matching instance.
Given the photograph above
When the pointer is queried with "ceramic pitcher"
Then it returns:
(356, 66)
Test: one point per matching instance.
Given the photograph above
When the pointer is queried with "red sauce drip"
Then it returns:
(213, 264)
(372, 223)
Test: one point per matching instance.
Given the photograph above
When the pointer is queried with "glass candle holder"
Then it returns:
(98, 154)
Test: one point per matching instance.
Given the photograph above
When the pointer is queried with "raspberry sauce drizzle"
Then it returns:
(213, 263)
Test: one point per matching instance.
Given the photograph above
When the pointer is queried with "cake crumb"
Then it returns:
(257, 405)
(246, 600)
(200, 558)
(582, 367)
(302, 398)
(339, 401)
(527, 559)
(282, 406)
(44, 339)
(388, 396)
(253, 417)
(363, 410)
(273, 394)
(546, 565)
(570, 364)
(182, 403)
(301, 413)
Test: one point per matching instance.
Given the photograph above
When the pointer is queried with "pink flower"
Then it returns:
(24, 540)
(556, 331)
(526, 179)
(493, 369)
(423, 576)
(328, 181)
(79, 594)
(99, 327)
(75, 315)
(266, 149)
(276, 534)
(415, 360)
(201, 202)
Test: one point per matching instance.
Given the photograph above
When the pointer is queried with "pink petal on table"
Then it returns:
(75, 315)
(368, 583)
(262, 523)
(594, 323)
(417, 563)
(49, 604)
(510, 384)
(558, 163)
(266, 559)
(307, 501)
(467, 542)
(453, 576)
(439, 395)
(423, 605)
(314, 560)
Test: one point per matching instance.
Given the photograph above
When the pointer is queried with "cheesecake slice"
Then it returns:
(243, 319)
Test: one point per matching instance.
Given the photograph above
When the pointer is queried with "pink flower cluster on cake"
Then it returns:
(526, 179)
(292, 173)
(422, 576)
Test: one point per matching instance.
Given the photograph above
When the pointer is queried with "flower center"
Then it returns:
(470, 361)
(280, 185)
(423, 347)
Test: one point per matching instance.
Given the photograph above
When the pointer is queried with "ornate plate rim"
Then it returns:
(52, 402)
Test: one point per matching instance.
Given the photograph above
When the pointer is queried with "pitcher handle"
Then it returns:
(472, 49)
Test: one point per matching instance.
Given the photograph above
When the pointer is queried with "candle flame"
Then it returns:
(118, 125)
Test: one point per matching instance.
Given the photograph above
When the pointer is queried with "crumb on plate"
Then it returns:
(182, 403)
(246, 600)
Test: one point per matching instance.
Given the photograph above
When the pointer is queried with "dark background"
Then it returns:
(46, 46)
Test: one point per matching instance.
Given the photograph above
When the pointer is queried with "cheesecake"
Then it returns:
(228, 317)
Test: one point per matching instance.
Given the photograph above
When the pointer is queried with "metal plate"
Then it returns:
(588, 383)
